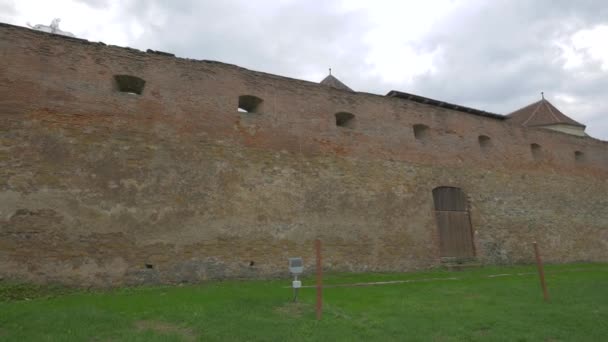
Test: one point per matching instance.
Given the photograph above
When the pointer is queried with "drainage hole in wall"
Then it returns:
(149, 266)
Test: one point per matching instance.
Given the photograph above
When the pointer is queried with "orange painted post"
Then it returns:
(541, 272)
(319, 279)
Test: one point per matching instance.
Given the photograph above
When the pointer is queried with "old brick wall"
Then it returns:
(99, 187)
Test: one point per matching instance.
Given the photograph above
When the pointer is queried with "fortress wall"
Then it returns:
(96, 184)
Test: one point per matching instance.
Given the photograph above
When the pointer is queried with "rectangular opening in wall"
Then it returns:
(484, 142)
(344, 119)
(250, 104)
(536, 151)
(421, 132)
(130, 84)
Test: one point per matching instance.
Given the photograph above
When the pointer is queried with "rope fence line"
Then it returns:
(389, 282)
(393, 282)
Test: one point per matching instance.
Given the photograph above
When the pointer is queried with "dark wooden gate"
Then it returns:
(453, 222)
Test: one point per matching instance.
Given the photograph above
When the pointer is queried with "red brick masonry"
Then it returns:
(100, 187)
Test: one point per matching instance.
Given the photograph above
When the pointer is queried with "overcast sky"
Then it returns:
(493, 55)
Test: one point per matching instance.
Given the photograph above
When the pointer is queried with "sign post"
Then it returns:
(296, 267)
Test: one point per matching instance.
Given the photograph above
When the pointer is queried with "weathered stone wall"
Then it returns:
(99, 187)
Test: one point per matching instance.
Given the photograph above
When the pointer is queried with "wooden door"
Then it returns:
(453, 222)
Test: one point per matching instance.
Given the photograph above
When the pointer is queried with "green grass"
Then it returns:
(473, 307)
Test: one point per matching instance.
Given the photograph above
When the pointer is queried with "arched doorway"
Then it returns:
(453, 223)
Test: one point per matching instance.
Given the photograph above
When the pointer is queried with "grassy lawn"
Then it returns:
(473, 307)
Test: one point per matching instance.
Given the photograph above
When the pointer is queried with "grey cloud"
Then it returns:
(498, 56)
(7, 9)
(494, 55)
(95, 3)
(292, 38)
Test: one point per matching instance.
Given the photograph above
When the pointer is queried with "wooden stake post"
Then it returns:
(541, 272)
(319, 279)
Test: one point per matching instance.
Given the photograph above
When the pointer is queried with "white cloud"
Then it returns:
(584, 47)
(400, 64)
(592, 42)
(394, 51)
(105, 21)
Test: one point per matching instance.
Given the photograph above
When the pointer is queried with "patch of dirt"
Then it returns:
(166, 328)
(481, 332)
(439, 338)
(293, 310)
(472, 296)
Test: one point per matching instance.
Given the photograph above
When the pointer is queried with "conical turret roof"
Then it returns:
(541, 113)
(333, 82)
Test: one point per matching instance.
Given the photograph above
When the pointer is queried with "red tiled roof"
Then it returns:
(541, 113)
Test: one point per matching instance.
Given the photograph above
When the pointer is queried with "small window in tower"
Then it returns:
(484, 141)
(250, 104)
(130, 84)
(579, 156)
(537, 152)
(344, 119)
(421, 132)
